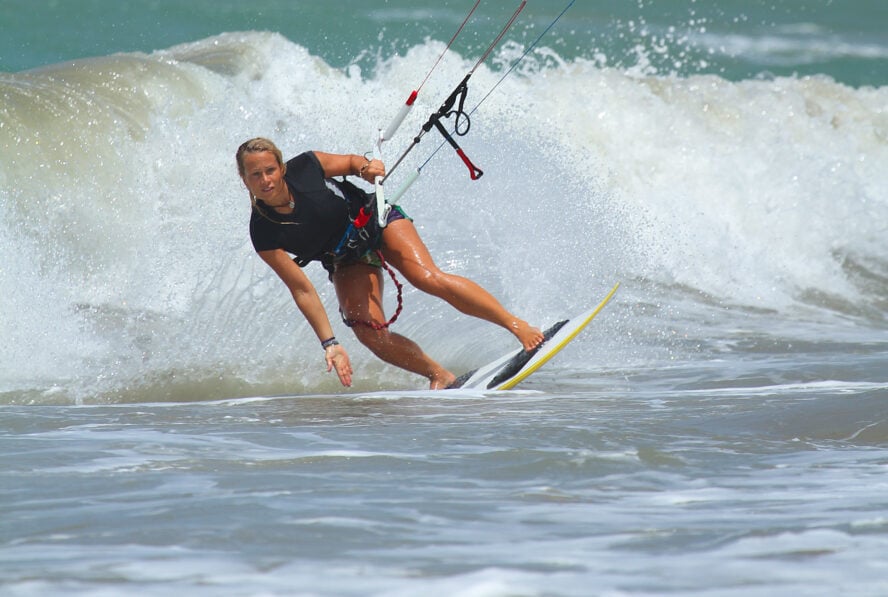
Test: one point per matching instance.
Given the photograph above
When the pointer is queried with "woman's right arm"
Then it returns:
(312, 308)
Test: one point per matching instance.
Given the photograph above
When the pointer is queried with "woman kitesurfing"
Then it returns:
(298, 211)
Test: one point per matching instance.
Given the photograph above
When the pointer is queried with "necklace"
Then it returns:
(261, 211)
(291, 203)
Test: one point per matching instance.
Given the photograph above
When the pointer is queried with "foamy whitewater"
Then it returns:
(128, 265)
(720, 429)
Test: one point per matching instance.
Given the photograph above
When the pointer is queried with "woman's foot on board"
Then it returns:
(529, 336)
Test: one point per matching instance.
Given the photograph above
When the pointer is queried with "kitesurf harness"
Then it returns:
(363, 233)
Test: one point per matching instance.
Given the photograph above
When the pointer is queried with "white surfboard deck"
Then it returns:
(511, 369)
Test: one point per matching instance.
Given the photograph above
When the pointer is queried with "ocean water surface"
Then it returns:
(166, 420)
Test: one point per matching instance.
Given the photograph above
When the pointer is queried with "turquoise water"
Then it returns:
(720, 429)
(736, 39)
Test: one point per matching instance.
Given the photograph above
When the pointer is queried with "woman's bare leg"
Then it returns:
(404, 249)
(359, 289)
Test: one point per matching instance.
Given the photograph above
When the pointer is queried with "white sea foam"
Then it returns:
(124, 223)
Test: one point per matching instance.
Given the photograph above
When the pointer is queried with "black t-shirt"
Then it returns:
(319, 219)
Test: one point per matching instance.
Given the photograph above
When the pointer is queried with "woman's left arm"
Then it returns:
(335, 164)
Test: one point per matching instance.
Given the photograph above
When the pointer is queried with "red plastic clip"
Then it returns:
(361, 219)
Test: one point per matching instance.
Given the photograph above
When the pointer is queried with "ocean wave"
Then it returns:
(124, 222)
(797, 46)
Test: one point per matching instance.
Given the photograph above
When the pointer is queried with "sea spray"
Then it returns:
(124, 222)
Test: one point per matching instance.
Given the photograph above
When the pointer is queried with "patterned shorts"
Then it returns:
(370, 257)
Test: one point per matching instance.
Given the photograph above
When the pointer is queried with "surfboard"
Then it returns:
(511, 369)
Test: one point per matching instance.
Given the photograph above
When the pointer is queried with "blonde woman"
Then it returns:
(300, 214)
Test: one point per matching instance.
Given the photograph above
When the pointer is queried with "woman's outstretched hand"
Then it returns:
(337, 358)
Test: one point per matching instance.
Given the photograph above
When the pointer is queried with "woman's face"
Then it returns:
(264, 177)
